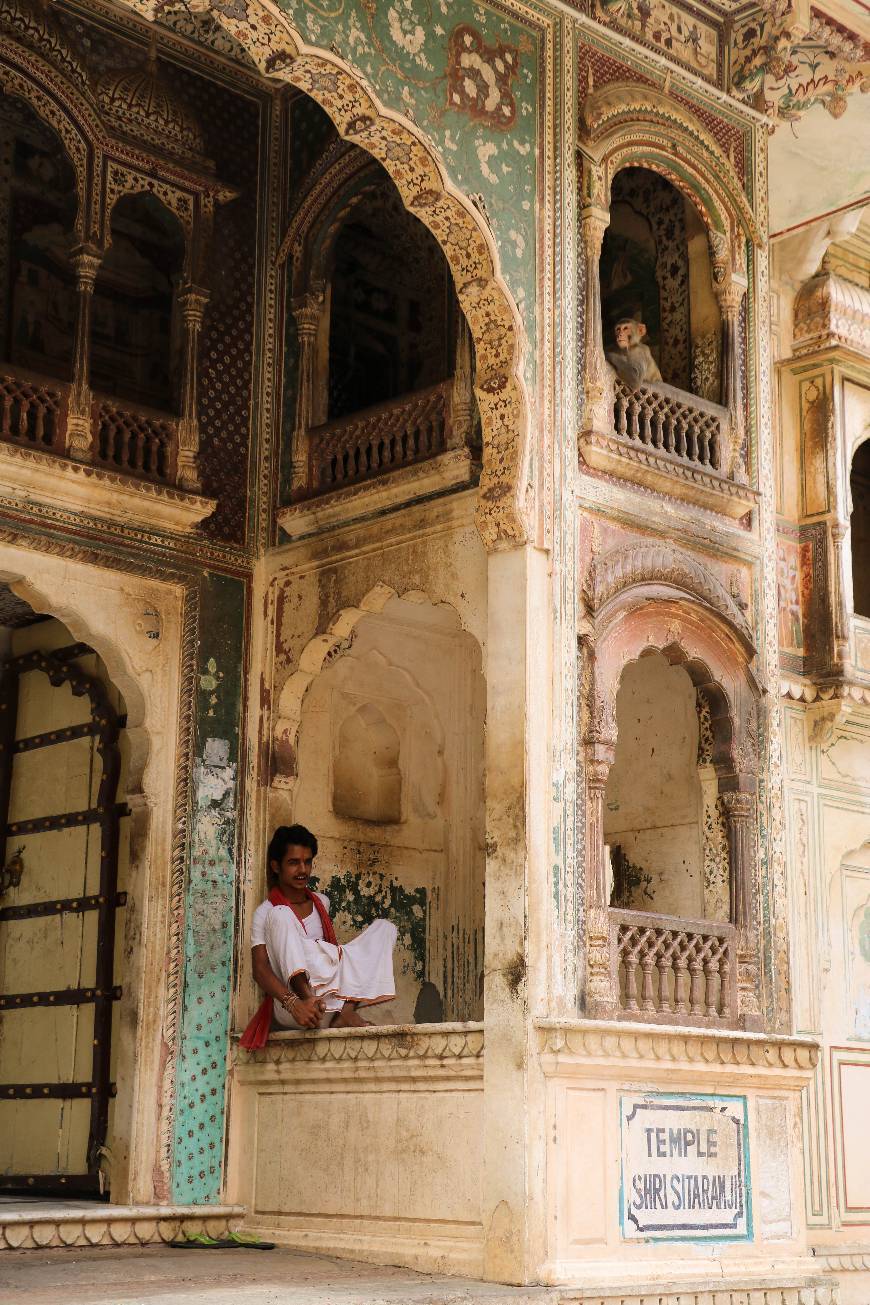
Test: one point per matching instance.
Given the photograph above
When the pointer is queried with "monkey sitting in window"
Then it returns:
(631, 359)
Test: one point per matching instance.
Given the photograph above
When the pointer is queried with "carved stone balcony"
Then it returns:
(672, 442)
(668, 970)
(406, 448)
(130, 477)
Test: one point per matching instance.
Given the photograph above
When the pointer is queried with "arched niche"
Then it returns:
(388, 770)
(684, 617)
(859, 535)
(656, 269)
(40, 200)
(136, 331)
(143, 630)
(278, 50)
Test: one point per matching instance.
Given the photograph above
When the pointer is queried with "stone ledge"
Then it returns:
(380, 1044)
(653, 470)
(842, 1259)
(39, 1225)
(29, 475)
(618, 1040)
(380, 494)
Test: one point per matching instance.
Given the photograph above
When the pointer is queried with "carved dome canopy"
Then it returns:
(141, 105)
(831, 311)
(34, 24)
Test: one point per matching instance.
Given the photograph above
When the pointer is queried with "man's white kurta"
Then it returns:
(360, 971)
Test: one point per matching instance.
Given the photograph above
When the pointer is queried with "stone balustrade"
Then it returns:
(670, 422)
(674, 971)
(133, 440)
(381, 439)
(33, 410)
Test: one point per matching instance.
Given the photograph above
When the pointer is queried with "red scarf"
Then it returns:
(256, 1034)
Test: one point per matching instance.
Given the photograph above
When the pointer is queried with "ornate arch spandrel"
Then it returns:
(625, 124)
(504, 515)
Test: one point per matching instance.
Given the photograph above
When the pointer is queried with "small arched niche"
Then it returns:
(366, 776)
(39, 199)
(135, 320)
(656, 269)
(859, 482)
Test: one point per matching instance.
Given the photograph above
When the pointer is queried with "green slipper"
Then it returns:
(252, 1243)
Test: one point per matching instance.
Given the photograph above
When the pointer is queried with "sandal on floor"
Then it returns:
(232, 1241)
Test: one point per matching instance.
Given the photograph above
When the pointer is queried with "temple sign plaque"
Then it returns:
(685, 1167)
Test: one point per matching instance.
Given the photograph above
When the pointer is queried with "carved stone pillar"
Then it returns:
(740, 816)
(462, 397)
(730, 294)
(192, 301)
(839, 533)
(597, 410)
(86, 261)
(601, 995)
(306, 311)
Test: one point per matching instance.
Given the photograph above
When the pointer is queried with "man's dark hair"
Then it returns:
(286, 836)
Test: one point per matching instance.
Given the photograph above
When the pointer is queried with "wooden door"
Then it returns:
(60, 767)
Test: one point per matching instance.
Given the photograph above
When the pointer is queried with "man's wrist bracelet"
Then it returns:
(290, 1001)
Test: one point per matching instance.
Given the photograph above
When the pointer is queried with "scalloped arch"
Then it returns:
(264, 31)
(660, 565)
(628, 124)
(319, 653)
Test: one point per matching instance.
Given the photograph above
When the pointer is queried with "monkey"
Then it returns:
(631, 359)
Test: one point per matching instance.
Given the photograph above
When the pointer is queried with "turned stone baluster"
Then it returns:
(696, 990)
(192, 302)
(307, 311)
(711, 974)
(740, 820)
(647, 963)
(665, 966)
(681, 983)
(86, 262)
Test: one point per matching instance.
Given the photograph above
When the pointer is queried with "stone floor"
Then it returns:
(160, 1275)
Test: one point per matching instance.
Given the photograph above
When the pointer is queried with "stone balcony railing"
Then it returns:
(132, 467)
(380, 439)
(673, 971)
(673, 442)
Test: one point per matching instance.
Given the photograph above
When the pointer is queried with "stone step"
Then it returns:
(33, 1224)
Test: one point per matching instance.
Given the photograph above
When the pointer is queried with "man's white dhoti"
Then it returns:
(359, 971)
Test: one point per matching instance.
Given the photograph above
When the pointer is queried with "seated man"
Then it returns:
(309, 980)
(631, 359)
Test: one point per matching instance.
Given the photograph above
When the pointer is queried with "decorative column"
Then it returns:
(839, 533)
(307, 310)
(86, 261)
(729, 293)
(462, 396)
(597, 405)
(601, 997)
(740, 817)
(192, 301)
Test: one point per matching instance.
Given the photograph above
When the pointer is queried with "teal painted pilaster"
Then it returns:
(209, 898)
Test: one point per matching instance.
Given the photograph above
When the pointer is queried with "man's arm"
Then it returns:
(308, 1010)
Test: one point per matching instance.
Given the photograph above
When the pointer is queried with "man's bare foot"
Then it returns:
(347, 1018)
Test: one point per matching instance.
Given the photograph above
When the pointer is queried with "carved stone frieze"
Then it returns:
(659, 563)
(406, 1044)
(618, 1041)
(112, 1225)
